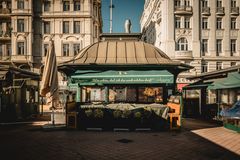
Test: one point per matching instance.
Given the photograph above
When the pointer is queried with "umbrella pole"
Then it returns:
(53, 121)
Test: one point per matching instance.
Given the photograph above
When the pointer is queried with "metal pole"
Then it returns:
(53, 121)
(42, 105)
(111, 7)
(218, 103)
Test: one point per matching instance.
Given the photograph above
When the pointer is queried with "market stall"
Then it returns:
(121, 69)
(19, 96)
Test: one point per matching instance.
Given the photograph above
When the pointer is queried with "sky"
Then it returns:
(124, 9)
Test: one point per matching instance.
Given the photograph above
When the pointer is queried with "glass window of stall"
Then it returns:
(150, 94)
(122, 94)
(93, 94)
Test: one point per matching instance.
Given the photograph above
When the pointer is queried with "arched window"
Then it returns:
(182, 44)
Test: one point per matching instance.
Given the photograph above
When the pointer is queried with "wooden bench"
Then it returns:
(174, 115)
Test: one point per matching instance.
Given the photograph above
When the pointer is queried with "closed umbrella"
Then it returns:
(49, 87)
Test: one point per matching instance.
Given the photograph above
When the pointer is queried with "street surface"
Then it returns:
(26, 142)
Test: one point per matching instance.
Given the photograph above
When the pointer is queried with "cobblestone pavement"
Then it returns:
(24, 142)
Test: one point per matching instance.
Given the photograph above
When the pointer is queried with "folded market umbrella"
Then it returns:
(49, 87)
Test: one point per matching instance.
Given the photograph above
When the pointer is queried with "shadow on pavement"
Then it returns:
(28, 142)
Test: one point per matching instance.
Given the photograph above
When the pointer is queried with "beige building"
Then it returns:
(202, 33)
(27, 26)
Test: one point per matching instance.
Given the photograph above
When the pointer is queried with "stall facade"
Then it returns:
(121, 68)
(19, 97)
(216, 90)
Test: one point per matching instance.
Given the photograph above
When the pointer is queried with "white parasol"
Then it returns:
(49, 87)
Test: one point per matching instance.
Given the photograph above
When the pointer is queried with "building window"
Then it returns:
(66, 5)
(233, 63)
(204, 67)
(178, 22)
(204, 47)
(219, 66)
(77, 5)
(47, 5)
(219, 46)
(20, 25)
(76, 28)
(65, 27)
(219, 23)
(76, 49)
(95, 11)
(1, 50)
(233, 3)
(219, 3)
(65, 50)
(9, 28)
(45, 49)
(182, 44)
(187, 22)
(177, 3)
(1, 29)
(204, 3)
(20, 48)
(20, 4)
(233, 23)
(233, 46)
(204, 23)
(187, 2)
(46, 27)
(9, 49)
(96, 31)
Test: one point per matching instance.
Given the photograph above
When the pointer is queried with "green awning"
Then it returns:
(231, 81)
(88, 84)
(123, 77)
(197, 85)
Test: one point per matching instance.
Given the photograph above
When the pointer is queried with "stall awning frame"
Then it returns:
(231, 81)
(123, 77)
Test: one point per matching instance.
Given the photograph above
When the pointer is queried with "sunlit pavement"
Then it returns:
(197, 140)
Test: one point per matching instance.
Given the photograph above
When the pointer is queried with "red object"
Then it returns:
(181, 85)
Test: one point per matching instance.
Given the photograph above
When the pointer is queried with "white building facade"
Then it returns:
(202, 33)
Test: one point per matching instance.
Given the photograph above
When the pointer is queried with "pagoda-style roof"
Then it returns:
(121, 53)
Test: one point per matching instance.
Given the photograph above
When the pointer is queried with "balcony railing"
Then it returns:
(183, 9)
(220, 11)
(206, 11)
(22, 58)
(5, 35)
(235, 11)
(5, 11)
(5, 58)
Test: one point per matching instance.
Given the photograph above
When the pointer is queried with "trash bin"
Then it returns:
(72, 120)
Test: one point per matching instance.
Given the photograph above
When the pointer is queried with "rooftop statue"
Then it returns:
(128, 26)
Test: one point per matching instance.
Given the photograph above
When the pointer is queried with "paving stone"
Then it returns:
(25, 142)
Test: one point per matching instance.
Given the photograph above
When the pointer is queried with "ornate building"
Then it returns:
(26, 26)
(202, 33)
